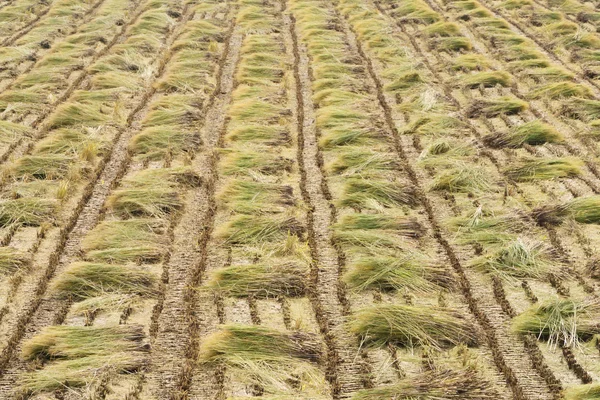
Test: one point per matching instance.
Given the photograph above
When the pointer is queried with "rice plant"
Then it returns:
(590, 391)
(434, 125)
(261, 280)
(518, 259)
(267, 357)
(355, 161)
(495, 107)
(75, 355)
(585, 210)
(249, 229)
(486, 228)
(12, 260)
(358, 193)
(561, 90)
(470, 62)
(435, 384)
(26, 211)
(486, 79)
(533, 133)
(257, 197)
(412, 272)
(533, 169)
(462, 178)
(560, 321)
(137, 240)
(392, 224)
(411, 326)
(152, 192)
(84, 280)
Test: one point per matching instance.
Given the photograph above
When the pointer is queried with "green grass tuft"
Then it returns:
(262, 356)
(462, 178)
(485, 79)
(563, 321)
(12, 260)
(532, 133)
(360, 193)
(496, 107)
(437, 384)
(412, 272)
(26, 211)
(582, 392)
(518, 259)
(260, 280)
(533, 169)
(561, 90)
(410, 326)
(137, 240)
(84, 280)
(248, 229)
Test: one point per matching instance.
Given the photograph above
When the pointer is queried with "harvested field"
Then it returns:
(299, 199)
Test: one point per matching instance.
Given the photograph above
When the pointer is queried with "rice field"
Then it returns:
(299, 199)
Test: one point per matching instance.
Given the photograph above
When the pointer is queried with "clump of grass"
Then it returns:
(137, 240)
(77, 355)
(590, 391)
(72, 114)
(158, 201)
(346, 136)
(393, 224)
(155, 143)
(470, 62)
(410, 326)
(12, 260)
(532, 133)
(442, 28)
(416, 11)
(240, 163)
(433, 125)
(518, 259)
(549, 74)
(249, 197)
(495, 107)
(26, 211)
(435, 384)
(406, 81)
(152, 192)
(485, 228)
(45, 166)
(9, 131)
(360, 161)
(69, 342)
(533, 169)
(462, 178)
(260, 280)
(452, 44)
(84, 280)
(359, 192)
(563, 321)
(254, 132)
(248, 229)
(585, 210)
(486, 79)
(561, 90)
(412, 272)
(263, 356)
(586, 109)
